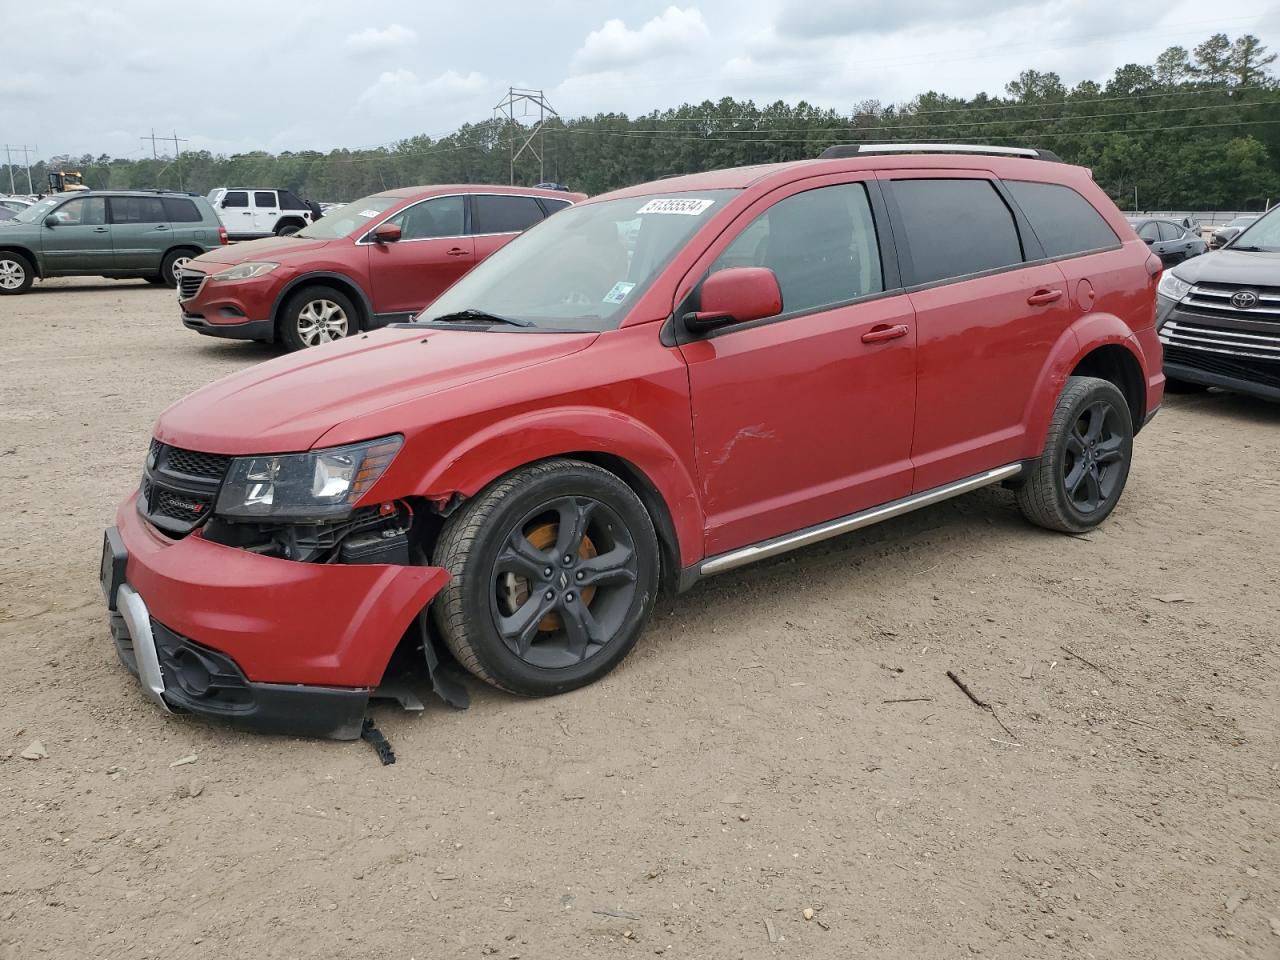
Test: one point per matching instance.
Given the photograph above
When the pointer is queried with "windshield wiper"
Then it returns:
(482, 316)
(1247, 248)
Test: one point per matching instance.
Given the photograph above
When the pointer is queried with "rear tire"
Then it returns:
(288, 230)
(553, 573)
(172, 265)
(16, 274)
(316, 315)
(1078, 480)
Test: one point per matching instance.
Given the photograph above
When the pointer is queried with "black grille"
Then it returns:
(193, 464)
(189, 282)
(179, 487)
(1261, 372)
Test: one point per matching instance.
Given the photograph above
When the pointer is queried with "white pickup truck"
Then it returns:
(252, 212)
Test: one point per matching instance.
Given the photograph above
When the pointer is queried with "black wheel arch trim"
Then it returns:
(345, 284)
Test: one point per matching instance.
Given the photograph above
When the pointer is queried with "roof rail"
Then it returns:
(857, 149)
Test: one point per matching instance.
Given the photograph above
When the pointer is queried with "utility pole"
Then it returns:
(528, 100)
(8, 162)
(155, 155)
(26, 159)
(177, 158)
(177, 150)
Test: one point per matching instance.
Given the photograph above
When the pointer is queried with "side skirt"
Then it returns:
(841, 525)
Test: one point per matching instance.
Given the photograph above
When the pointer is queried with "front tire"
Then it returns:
(553, 573)
(1078, 480)
(316, 315)
(16, 274)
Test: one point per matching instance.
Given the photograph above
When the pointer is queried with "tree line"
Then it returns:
(1197, 129)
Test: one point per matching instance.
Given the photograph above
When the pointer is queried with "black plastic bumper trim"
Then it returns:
(1234, 384)
(250, 330)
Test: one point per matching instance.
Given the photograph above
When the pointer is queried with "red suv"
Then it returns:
(652, 387)
(372, 262)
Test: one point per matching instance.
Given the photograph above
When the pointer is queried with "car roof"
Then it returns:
(416, 193)
(777, 174)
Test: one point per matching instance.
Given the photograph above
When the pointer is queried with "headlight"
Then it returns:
(1175, 288)
(304, 486)
(245, 271)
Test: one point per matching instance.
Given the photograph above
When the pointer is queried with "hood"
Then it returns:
(1231, 266)
(286, 404)
(277, 249)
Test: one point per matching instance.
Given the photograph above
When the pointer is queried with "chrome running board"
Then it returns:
(854, 521)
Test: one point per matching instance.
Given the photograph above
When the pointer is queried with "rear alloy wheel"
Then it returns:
(554, 572)
(15, 273)
(171, 269)
(1078, 480)
(317, 315)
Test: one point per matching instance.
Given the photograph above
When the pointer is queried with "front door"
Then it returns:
(140, 232)
(81, 240)
(432, 252)
(807, 416)
(986, 320)
(236, 213)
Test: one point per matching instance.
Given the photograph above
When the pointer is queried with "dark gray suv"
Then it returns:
(1219, 315)
(146, 234)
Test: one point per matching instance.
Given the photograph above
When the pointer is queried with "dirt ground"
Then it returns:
(783, 737)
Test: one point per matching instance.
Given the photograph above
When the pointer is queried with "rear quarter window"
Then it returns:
(494, 213)
(956, 228)
(1064, 221)
(181, 210)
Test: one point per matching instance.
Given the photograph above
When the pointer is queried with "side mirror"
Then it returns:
(387, 233)
(51, 221)
(736, 295)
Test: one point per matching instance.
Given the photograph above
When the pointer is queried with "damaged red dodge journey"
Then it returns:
(653, 386)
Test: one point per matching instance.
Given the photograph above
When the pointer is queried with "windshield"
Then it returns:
(1262, 233)
(583, 268)
(1241, 221)
(349, 219)
(38, 211)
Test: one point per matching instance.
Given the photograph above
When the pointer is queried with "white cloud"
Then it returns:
(616, 45)
(373, 40)
(397, 90)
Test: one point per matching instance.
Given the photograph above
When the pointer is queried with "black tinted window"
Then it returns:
(1065, 222)
(820, 244)
(551, 206)
(181, 210)
(955, 228)
(1149, 230)
(137, 210)
(236, 198)
(289, 201)
(495, 214)
(266, 199)
(441, 217)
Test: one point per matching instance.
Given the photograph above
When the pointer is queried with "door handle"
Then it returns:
(99, 229)
(1044, 296)
(161, 226)
(457, 252)
(882, 333)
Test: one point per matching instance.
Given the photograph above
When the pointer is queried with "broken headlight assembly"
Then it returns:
(319, 485)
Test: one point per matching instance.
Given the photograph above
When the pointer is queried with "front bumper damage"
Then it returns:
(266, 644)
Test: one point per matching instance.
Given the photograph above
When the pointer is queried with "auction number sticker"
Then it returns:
(619, 292)
(368, 214)
(684, 205)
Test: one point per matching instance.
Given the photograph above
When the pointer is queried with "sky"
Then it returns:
(316, 74)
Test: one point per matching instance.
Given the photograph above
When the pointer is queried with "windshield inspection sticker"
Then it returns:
(685, 205)
(370, 214)
(619, 292)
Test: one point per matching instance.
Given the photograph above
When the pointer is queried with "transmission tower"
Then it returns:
(519, 105)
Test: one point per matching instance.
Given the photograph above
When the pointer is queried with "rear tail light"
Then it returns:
(222, 236)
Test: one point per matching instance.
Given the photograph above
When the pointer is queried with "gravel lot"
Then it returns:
(751, 759)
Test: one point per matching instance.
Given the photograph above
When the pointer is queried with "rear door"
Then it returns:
(806, 416)
(986, 318)
(266, 211)
(140, 232)
(187, 223)
(497, 218)
(81, 241)
(433, 251)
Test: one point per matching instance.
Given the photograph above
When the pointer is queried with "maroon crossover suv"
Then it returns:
(652, 387)
(376, 260)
